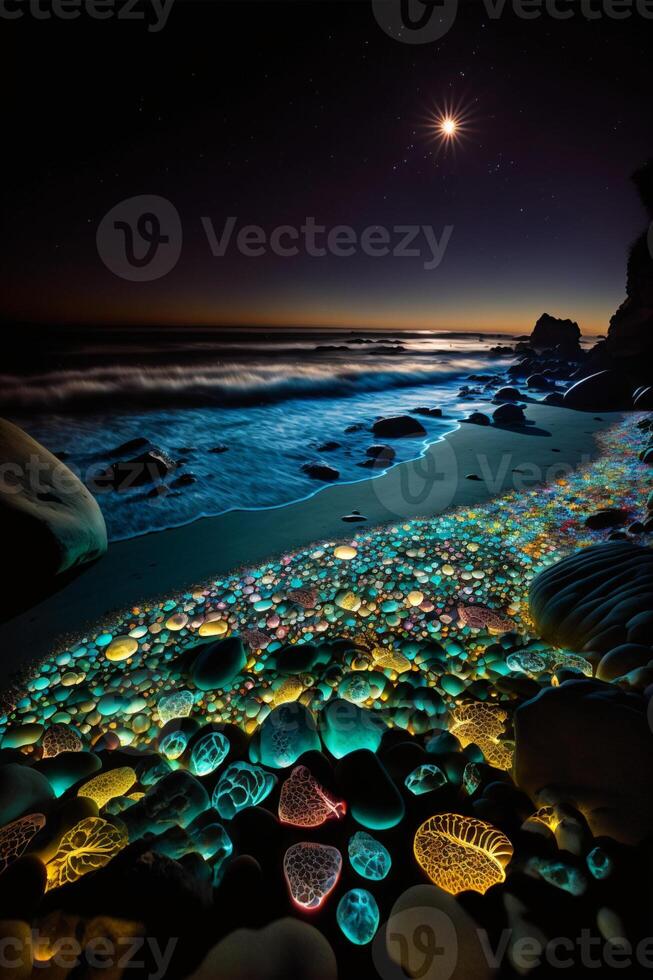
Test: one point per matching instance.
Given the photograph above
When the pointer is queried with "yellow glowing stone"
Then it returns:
(415, 598)
(176, 622)
(289, 690)
(390, 659)
(345, 552)
(448, 569)
(213, 627)
(461, 853)
(87, 847)
(121, 648)
(548, 816)
(102, 788)
(481, 723)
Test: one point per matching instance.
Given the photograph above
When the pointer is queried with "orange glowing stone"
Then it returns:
(461, 853)
(304, 803)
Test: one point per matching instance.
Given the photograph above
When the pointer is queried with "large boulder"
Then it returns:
(629, 343)
(549, 331)
(590, 743)
(605, 391)
(285, 948)
(397, 426)
(595, 599)
(51, 525)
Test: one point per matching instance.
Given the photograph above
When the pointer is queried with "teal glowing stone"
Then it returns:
(599, 863)
(208, 753)
(176, 705)
(425, 778)
(173, 745)
(358, 916)
(561, 875)
(471, 778)
(213, 843)
(241, 785)
(369, 857)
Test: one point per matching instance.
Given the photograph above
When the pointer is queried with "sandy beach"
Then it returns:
(139, 570)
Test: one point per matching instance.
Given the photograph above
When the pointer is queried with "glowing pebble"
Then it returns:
(115, 782)
(415, 598)
(304, 803)
(90, 845)
(358, 916)
(461, 853)
(121, 648)
(15, 837)
(311, 872)
(176, 622)
(344, 552)
(213, 627)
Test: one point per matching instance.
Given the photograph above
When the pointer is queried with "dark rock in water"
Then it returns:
(328, 447)
(220, 448)
(622, 659)
(554, 398)
(355, 427)
(605, 391)
(371, 794)
(594, 598)
(150, 467)
(131, 446)
(397, 426)
(509, 415)
(589, 742)
(472, 476)
(354, 518)
(507, 394)
(431, 413)
(610, 517)
(50, 524)
(22, 790)
(386, 453)
(549, 331)
(185, 480)
(540, 382)
(478, 418)
(217, 663)
(320, 471)
(283, 949)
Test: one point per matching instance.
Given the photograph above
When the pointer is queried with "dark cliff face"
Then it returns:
(629, 344)
(549, 331)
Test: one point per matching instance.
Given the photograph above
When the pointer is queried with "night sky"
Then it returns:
(274, 112)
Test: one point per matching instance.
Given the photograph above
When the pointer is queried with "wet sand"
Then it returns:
(142, 569)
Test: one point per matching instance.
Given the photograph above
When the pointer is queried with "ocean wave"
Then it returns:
(127, 388)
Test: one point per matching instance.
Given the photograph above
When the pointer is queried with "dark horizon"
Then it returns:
(273, 113)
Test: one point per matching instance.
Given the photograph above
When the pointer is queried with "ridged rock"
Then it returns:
(595, 599)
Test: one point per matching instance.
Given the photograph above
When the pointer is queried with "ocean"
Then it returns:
(276, 400)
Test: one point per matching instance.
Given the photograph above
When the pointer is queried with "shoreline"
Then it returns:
(138, 570)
